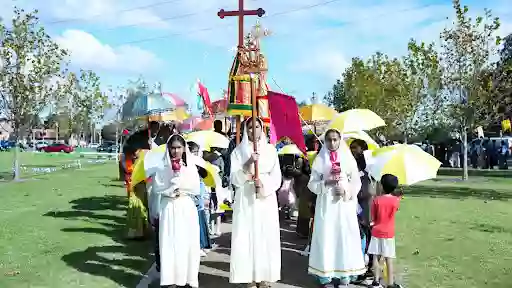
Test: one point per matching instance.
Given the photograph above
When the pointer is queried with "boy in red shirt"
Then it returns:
(382, 243)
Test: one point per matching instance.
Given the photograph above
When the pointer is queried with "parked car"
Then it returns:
(6, 145)
(108, 147)
(57, 147)
(94, 145)
(41, 144)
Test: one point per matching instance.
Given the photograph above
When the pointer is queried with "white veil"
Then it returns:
(348, 164)
(157, 159)
(246, 147)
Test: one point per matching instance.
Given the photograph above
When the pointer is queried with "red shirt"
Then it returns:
(383, 212)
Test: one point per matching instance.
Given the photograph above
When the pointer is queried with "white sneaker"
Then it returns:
(305, 252)
(202, 253)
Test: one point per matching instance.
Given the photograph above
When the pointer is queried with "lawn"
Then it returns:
(66, 229)
(32, 163)
(453, 234)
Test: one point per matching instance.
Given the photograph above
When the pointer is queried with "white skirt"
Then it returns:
(382, 247)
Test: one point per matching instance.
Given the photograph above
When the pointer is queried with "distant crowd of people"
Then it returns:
(483, 153)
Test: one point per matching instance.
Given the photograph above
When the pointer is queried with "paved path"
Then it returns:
(214, 271)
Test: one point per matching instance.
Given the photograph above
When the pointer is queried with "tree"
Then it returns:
(382, 85)
(31, 61)
(90, 101)
(425, 74)
(467, 48)
(86, 104)
(302, 104)
(502, 79)
(337, 97)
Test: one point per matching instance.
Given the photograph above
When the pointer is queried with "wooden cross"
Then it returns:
(241, 13)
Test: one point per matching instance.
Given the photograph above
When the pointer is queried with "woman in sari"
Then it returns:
(137, 222)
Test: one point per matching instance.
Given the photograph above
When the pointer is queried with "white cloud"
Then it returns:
(351, 28)
(89, 53)
(327, 61)
(114, 13)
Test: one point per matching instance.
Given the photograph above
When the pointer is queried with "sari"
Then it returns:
(137, 214)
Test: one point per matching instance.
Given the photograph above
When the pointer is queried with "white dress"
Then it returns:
(255, 240)
(178, 220)
(336, 242)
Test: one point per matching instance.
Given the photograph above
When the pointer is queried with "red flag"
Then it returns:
(284, 116)
(203, 93)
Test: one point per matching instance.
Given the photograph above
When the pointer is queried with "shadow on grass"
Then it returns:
(118, 185)
(490, 228)
(6, 176)
(455, 192)
(128, 260)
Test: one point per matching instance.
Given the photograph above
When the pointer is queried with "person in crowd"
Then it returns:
(176, 180)
(215, 157)
(364, 197)
(382, 242)
(137, 222)
(154, 130)
(300, 172)
(335, 247)
(504, 153)
(255, 241)
(202, 200)
(455, 155)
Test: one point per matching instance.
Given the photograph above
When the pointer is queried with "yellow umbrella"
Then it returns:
(138, 174)
(351, 136)
(317, 112)
(179, 114)
(356, 120)
(407, 162)
(290, 149)
(311, 157)
(208, 139)
(212, 178)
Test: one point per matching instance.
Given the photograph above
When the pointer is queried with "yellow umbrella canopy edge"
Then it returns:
(356, 119)
(139, 174)
(317, 112)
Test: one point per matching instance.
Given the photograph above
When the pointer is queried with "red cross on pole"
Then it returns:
(241, 13)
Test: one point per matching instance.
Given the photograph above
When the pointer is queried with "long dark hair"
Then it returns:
(181, 140)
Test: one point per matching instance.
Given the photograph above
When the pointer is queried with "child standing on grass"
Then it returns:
(382, 243)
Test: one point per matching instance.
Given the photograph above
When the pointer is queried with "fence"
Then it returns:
(33, 164)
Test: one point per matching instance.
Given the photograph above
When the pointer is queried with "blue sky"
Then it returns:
(312, 41)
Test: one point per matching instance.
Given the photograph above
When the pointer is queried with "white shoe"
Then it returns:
(305, 252)
(202, 253)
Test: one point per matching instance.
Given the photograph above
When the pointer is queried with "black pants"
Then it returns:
(157, 245)
(214, 202)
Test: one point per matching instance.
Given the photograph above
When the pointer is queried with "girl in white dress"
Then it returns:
(336, 244)
(176, 180)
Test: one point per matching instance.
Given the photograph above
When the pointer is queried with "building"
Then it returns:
(6, 130)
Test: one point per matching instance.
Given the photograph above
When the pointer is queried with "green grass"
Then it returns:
(31, 163)
(66, 230)
(456, 234)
